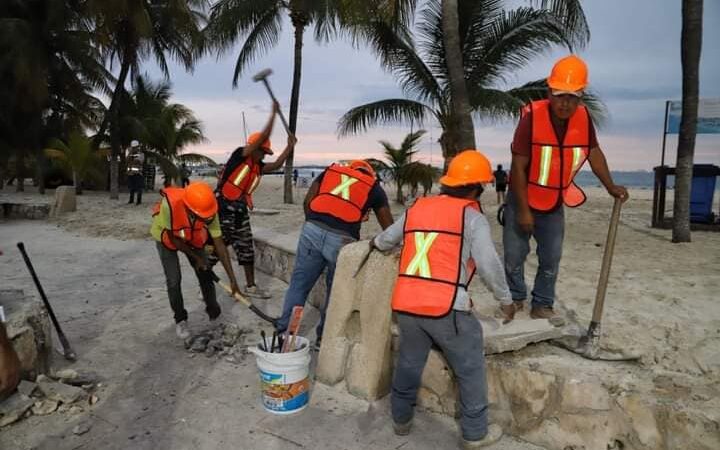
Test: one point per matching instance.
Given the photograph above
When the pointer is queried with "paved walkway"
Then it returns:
(109, 296)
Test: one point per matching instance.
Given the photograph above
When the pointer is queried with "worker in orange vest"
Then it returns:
(446, 239)
(336, 204)
(236, 184)
(186, 219)
(553, 140)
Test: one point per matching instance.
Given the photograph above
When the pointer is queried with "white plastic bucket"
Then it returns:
(284, 378)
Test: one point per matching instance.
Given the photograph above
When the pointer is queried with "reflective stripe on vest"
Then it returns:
(545, 160)
(344, 187)
(241, 176)
(420, 262)
(577, 160)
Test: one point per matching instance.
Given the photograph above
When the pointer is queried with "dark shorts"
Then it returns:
(500, 187)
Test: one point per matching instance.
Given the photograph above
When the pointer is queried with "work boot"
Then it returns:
(181, 329)
(255, 292)
(493, 436)
(546, 312)
(402, 429)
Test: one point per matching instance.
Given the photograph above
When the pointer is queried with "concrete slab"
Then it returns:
(517, 334)
(264, 212)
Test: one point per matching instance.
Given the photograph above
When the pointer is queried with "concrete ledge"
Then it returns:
(32, 211)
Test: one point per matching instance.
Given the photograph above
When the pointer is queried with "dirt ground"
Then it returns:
(661, 303)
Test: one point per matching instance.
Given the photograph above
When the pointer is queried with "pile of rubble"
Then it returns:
(223, 341)
(65, 391)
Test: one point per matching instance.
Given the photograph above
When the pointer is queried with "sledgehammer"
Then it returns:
(262, 76)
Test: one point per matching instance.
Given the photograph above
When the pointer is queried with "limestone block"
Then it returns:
(642, 420)
(688, 430)
(335, 360)
(600, 430)
(578, 395)
(360, 312)
(516, 335)
(64, 200)
(530, 394)
(28, 327)
(439, 391)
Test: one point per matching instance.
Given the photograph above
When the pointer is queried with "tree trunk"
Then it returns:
(114, 123)
(459, 100)
(691, 42)
(399, 193)
(20, 170)
(77, 183)
(299, 22)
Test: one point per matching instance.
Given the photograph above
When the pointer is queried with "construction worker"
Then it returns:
(185, 219)
(445, 238)
(235, 187)
(336, 204)
(9, 364)
(552, 141)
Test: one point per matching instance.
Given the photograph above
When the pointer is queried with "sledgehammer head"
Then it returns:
(262, 75)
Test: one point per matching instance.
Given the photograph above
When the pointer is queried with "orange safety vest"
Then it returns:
(431, 257)
(242, 182)
(553, 165)
(195, 234)
(343, 193)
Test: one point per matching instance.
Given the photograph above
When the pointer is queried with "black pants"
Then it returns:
(173, 278)
(139, 196)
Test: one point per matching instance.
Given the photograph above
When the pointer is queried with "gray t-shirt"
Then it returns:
(481, 250)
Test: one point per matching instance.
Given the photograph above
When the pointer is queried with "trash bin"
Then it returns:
(702, 191)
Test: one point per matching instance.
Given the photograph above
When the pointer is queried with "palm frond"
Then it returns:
(572, 18)
(264, 36)
(395, 111)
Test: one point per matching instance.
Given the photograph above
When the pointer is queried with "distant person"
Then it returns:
(135, 179)
(312, 175)
(444, 239)
(235, 187)
(184, 175)
(335, 205)
(552, 141)
(500, 183)
(295, 177)
(184, 220)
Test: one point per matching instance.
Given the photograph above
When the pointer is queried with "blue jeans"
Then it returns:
(548, 232)
(459, 336)
(317, 250)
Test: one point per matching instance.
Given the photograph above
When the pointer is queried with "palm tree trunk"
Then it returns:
(460, 102)
(77, 183)
(20, 170)
(299, 22)
(114, 113)
(691, 43)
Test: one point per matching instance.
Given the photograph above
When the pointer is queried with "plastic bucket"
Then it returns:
(284, 378)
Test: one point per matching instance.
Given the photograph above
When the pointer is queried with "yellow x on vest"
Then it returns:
(344, 187)
(419, 263)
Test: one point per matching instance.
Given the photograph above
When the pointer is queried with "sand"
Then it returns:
(662, 298)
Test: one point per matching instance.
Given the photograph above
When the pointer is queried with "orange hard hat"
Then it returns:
(569, 74)
(466, 168)
(200, 199)
(266, 146)
(361, 164)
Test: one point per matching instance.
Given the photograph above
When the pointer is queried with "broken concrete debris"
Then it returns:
(219, 340)
(13, 408)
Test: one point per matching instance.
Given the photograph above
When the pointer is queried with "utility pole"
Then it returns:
(244, 125)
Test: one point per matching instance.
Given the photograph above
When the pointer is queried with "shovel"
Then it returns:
(588, 346)
(243, 300)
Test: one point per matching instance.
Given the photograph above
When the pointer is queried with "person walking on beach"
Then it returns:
(553, 140)
(239, 179)
(186, 219)
(336, 204)
(135, 178)
(184, 175)
(445, 238)
(500, 181)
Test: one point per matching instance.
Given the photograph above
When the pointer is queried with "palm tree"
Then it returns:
(494, 43)
(129, 31)
(260, 23)
(399, 159)
(49, 68)
(76, 155)
(691, 43)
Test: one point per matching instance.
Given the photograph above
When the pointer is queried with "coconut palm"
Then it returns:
(77, 156)
(260, 22)
(130, 31)
(691, 43)
(494, 44)
(399, 160)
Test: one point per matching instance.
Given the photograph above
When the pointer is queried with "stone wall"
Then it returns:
(32, 211)
(28, 327)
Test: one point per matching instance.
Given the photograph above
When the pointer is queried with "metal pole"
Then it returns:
(667, 109)
(244, 125)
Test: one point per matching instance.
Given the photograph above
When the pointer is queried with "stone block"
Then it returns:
(65, 200)
(530, 394)
(28, 327)
(642, 420)
(579, 395)
(516, 335)
(26, 388)
(59, 391)
(336, 352)
(13, 408)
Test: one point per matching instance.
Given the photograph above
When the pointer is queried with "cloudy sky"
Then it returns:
(633, 55)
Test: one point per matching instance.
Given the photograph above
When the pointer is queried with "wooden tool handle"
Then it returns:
(607, 262)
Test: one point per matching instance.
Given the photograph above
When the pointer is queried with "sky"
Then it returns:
(633, 57)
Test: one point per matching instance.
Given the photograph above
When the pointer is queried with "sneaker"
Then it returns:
(181, 329)
(546, 312)
(402, 429)
(493, 436)
(256, 292)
